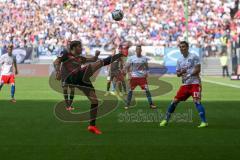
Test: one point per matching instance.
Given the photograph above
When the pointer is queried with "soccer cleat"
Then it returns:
(94, 130)
(13, 100)
(70, 108)
(163, 123)
(203, 125)
(126, 107)
(153, 106)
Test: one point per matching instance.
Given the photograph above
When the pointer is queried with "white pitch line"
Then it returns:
(220, 83)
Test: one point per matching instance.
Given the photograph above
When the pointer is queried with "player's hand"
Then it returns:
(58, 76)
(97, 53)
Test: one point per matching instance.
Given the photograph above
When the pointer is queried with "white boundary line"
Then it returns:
(220, 83)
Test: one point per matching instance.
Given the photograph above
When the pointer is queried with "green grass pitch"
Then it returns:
(30, 130)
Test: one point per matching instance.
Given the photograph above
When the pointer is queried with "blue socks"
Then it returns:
(1, 85)
(201, 111)
(113, 86)
(198, 105)
(171, 109)
(148, 94)
(12, 90)
(129, 97)
(149, 97)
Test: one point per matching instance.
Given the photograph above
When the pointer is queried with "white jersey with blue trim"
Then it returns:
(138, 66)
(7, 64)
(188, 64)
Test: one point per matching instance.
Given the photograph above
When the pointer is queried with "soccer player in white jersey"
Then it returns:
(7, 75)
(137, 69)
(188, 67)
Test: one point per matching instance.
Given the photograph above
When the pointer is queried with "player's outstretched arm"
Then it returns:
(94, 58)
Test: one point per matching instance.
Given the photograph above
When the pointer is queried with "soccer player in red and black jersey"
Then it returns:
(70, 71)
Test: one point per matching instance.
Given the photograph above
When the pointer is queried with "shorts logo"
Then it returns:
(196, 94)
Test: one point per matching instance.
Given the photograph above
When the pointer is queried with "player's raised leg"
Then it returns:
(92, 68)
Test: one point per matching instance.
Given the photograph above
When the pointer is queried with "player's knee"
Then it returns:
(175, 100)
(196, 101)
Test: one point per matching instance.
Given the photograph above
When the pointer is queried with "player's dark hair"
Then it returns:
(184, 42)
(74, 44)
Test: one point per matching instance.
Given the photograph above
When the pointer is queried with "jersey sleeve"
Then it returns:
(1, 59)
(178, 67)
(196, 60)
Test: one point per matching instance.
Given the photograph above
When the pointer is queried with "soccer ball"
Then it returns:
(117, 15)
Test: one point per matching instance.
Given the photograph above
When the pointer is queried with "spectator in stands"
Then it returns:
(40, 22)
(224, 63)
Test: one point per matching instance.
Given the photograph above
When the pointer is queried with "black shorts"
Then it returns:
(79, 79)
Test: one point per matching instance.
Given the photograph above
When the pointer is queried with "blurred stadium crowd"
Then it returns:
(46, 25)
